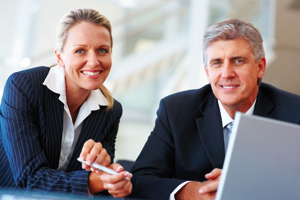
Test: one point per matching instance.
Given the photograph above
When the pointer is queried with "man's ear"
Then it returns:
(59, 59)
(206, 73)
(262, 64)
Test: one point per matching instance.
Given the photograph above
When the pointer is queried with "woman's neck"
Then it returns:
(75, 100)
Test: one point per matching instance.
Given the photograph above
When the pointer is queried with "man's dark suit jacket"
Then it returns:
(31, 124)
(187, 140)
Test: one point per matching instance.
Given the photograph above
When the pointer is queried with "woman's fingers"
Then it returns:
(94, 152)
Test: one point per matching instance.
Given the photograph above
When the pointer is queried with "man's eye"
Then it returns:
(238, 61)
(217, 63)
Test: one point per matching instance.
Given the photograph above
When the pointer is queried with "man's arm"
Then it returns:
(154, 169)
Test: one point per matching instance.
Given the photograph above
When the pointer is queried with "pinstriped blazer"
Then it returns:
(31, 124)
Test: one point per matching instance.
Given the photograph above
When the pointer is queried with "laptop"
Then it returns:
(262, 160)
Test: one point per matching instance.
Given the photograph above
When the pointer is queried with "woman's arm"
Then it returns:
(21, 134)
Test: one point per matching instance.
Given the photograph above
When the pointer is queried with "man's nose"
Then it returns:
(228, 70)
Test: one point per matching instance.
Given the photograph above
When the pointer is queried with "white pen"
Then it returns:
(100, 167)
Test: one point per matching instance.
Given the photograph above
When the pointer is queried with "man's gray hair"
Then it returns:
(231, 29)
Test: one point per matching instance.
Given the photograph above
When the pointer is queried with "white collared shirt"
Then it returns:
(55, 81)
(225, 116)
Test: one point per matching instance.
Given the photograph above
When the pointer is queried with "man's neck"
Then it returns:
(227, 117)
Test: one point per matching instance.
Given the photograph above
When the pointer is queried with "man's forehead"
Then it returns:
(238, 47)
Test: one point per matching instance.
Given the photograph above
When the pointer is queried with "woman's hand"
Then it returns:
(94, 152)
(117, 185)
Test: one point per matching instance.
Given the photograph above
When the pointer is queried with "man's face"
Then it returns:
(233, 72)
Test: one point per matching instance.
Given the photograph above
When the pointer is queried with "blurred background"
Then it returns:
(157, 48)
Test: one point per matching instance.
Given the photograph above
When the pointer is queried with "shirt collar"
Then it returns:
(55, 81)
(225, 116)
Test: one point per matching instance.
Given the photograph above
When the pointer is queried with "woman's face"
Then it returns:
(86, 57)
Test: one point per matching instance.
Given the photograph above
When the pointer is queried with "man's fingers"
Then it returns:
(215, 173)
(210, 187)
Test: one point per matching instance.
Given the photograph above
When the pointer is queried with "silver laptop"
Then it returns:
(262, 160)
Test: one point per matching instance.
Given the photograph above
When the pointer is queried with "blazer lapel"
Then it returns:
(210, 125)
(92, 128)
(263, 106)
(211, 132)
(54, 112)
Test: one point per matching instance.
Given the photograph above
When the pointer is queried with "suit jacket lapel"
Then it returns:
(211, 132)
(263, 106)
(210, 125)
(92, 125)
(54, 110)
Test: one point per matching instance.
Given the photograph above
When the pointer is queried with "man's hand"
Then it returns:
(196, 190)
(211, 186)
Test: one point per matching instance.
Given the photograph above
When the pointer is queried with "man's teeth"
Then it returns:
(91, 73)
(228, 87)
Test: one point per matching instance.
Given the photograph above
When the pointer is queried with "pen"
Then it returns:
(100, 167)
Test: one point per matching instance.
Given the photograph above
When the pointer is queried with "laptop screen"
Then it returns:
(262, 160)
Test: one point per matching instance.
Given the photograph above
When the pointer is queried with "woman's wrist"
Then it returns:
(95, 184)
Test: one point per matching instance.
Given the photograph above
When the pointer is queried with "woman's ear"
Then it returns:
(59, 59)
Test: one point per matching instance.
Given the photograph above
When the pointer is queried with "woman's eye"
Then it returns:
(103, 51)
(79, 51)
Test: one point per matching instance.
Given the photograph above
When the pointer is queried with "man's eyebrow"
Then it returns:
(214, 59)
(238, 57)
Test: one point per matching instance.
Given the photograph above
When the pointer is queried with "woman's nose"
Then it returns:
(92, 59)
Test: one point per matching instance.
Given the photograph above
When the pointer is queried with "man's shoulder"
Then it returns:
(277, 94)
(284, 105)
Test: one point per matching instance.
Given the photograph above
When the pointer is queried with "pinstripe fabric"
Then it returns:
(31, 122)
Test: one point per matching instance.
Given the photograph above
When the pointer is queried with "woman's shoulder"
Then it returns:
(34, 75)
(28, 82)
(117, 104)
(116, 109)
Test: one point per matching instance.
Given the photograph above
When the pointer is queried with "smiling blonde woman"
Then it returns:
(52, 116)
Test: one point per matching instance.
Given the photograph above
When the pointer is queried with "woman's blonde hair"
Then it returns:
(74, 17)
